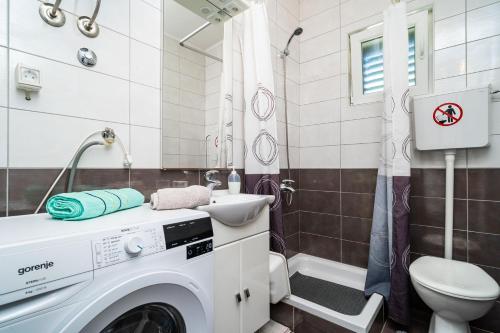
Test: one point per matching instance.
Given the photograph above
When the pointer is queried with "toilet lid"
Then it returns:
(454, 278)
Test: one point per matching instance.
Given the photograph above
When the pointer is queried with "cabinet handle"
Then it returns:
(247, 293)
(238, 297)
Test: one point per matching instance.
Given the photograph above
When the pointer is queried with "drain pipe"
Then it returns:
(449, 157)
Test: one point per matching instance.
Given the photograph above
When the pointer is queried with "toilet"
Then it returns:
(456, 291)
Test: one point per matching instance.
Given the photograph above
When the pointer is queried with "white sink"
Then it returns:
(236, 209)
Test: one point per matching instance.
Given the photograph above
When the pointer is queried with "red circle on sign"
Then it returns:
(455, 116)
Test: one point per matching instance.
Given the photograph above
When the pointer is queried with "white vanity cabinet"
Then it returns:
(242, 285)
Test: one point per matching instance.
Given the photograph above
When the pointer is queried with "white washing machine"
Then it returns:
(139, 270)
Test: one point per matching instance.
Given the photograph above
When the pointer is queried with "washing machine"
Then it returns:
(139, 270)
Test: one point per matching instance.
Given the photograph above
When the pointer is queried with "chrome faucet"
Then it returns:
(211, 180)
(287, 185)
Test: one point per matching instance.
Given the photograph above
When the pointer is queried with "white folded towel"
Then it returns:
(274, 327)
(176, 198)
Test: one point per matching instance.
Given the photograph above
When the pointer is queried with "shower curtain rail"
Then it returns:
(191, 35)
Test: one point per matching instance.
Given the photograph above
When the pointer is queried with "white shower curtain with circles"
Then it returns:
(261, 143)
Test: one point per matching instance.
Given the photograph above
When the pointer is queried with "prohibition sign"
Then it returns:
(448, 114)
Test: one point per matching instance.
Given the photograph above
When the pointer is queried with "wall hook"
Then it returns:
(87, 25)
(52, 14)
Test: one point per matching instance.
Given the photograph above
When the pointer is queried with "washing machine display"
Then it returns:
(183, 233)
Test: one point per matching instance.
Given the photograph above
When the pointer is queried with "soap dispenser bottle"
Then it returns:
(234, 182)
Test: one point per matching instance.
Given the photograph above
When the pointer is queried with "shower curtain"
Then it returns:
(260, 131)
(389, 243)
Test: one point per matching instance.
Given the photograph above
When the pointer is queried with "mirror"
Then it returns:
(193, 105)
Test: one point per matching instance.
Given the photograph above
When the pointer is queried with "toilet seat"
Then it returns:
(454, 278)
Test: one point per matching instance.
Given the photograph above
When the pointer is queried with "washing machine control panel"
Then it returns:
(198, 249)
(183, 233)
(126, 244)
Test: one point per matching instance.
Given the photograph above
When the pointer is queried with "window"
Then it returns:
(367, 60)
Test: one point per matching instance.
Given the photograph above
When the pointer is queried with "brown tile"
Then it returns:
(484, 249)
(308, 323)
(94, 179)
(355, 254)
(356, 229)
(358, 180)
(294, 175)
(148, 181)
(3, 188)
(295, 204)
(484, 184)
(430, 241)
(493, 272)
(291, 223)
(292, 245)
(321, 202)
(324, 247)
(357, 205)
(320, 179)
(378, 324)
(415, 327)
(491, 321)
(320, 224)
(484, 216)
(282, 313)
(431, 183)
(430, 211)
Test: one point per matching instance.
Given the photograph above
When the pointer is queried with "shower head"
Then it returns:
(296, 32)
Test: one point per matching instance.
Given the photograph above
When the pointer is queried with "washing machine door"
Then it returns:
(161, 302)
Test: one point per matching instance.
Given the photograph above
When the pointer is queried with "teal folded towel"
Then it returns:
(84, 205)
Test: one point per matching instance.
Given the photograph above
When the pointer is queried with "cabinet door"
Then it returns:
(227, 286)
(255, 280)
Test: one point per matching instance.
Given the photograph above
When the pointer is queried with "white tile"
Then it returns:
(192, 56)
(171, 78)
(53, 139)
(434, 159)
(170, 161)
(293, 134)
(71, 91)
(320, 68)
(449, 32)
(361, 131)
(192, 116)
(212, 85)
(482, 79)
(320, 157)
(212, 101)
(294, 157)
(487, 157)
(271, 9)
(450, 62)
(320, 135)
(192, 69)
(309, 8)
(456, 83)
(170, 44)
(360, 156)
(145, 107)
(145, 147)
(359, 111)
(170, 111)
(171, 61)
(3, 137)
(3, 76)
(320, 46)
(483, 22)
(193, 85)
(191, 147)
(473, 4)
(495, 117)
(145, 23)
(319, 24)
(293, 112)
(170, 145)
(191, 161)
(191, 131)
(447, 8)
(154, 3)
(319, 113)
(285, 19)
(352, 11)
(145, 64)
(191, 100)
(291, 5)
(171, 94)
(29, 33)
(3, 22)
(319, 91)
(170, 128)
(483, 54)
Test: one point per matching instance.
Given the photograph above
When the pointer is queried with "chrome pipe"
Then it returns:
(87, 25)
(55, 8)
(90, 23)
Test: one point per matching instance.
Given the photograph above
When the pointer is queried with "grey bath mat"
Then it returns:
(334, 296)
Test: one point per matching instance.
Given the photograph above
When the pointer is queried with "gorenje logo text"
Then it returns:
(44, 265)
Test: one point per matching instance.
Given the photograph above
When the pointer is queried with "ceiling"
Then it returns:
(180, 22)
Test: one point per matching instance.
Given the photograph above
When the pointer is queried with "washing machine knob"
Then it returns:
(134, 245)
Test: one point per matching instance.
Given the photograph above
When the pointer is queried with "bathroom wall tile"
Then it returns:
(320, 157)
(324, 22)
(486, 157)
(431, 182)
(3, 76)
(192, 56)
(313, 7)
(321, 202)
(320, 46)
(430, 241)
(356, 229)
(3, 137)
(447, 8)
(449, 32)
(145, 146)
(489, 322)
(320, 224)
(320, 68)
(171, 78)
(292, 245)
(93, 179)
(154, 3)
(171, 61)
(473, 4)
(291, 223)
(286, 20)
(282, 313)
(42, 148)
(320, 135)
(483, 22)
(359, 180)
(351, 11)
(319, 113)
(360, 111)
(292, 6)
(71, 91)
(308, 323)
(431, 212)
(484, 248)
(482, 79)
(434, 159)
(3, 187)
(192, 85)
(361, 131)
(145, 108)
(320, 179)
(357, 204)
(319, 91)
(145, 23)
(324, 247)
(148, 181)
(355, 253)
(456, 83)
(483, 216)
(29, 33)
(362, 156)
(144, 63)
(483, 54)
(4, 22)
(450, 62)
